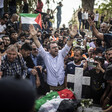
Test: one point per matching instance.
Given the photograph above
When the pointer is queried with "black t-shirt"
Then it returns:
(79, 15)
(108, 39)
(96, 88)
(25, 8)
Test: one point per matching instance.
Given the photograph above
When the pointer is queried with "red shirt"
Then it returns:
(39, 6)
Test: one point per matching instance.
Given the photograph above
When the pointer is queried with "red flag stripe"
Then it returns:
(66, 93)
(38, 20)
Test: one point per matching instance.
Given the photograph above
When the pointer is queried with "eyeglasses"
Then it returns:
(1, 43)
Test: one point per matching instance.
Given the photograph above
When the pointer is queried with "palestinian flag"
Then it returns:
(27, 19)
(55, 101)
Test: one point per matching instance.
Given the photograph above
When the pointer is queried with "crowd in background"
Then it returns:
(90, 51)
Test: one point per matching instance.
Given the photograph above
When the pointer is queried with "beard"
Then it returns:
(76, 61)
(110, 60)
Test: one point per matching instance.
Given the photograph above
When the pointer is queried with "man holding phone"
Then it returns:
(97, 84)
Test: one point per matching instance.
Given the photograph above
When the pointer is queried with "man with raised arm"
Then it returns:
(54, 59)
(107, 37)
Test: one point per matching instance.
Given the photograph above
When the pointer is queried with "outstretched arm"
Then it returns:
(54, 10)
(33, 33)
(95, 31)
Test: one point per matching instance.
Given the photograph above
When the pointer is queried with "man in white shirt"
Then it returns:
(96, 18)
(54, 59)
(1, 8)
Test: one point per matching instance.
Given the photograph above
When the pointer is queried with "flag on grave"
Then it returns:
(55, 101)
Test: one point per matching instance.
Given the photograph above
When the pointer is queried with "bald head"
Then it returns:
(104, 27)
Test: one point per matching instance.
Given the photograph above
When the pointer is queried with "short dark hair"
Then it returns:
(95, 52)
(22, 34)
(13, 31)
(26, 47)
(5, 36)
(79, 49)
(99, 50)
(52, 42)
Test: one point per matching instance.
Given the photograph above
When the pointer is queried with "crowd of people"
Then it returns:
(46, 56)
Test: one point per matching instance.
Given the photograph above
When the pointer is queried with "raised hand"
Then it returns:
(32, 30)
(73, 32)
(33, 34)
(90, 21)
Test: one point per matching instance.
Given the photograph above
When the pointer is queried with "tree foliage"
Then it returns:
(106, 8)
(88, 4)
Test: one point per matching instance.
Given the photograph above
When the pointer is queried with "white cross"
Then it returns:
(78, 79)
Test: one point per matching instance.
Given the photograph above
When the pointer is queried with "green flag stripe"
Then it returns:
(44, 99)
(29, 15)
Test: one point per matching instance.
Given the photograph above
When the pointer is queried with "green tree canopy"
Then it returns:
(106, 8)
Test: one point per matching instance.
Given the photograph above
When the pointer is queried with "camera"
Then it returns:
(99, 58)
(92, 64)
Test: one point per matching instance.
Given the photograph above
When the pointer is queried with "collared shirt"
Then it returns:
(37, 60)
(34, 58)
(54, 66)
(1, 3)
(18, 66)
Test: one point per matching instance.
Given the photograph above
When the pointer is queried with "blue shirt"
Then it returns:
(38, 61)
(70, 69)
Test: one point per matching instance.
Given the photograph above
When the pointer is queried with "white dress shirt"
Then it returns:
(54, 66)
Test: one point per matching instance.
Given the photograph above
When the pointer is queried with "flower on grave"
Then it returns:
(86, 102)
